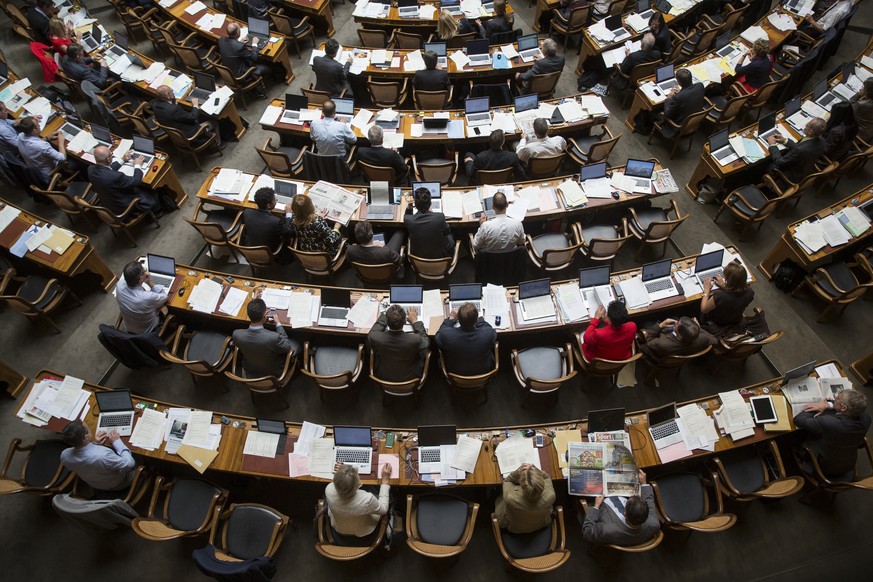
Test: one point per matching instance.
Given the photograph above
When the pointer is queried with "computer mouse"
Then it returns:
(615, 195)
(181, 292)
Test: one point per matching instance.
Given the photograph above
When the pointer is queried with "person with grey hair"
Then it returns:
(798, 159)
(541, 144)
(116, 190)
(550, 63)
(37, 153)
(105, 468)
(675, 338)
(836, 430)
(238, 56)
(353, 511)
(378, 155)
(646, 54)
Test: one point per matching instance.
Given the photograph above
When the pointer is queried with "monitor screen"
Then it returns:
(594, 276)
(113, 400)
(606, 420)
(96, 32)
(792, 107)
(437, 48)
(766, 123)
(336, 297)
(101, 133)
(297, 102)
(259, 26)
(284, 188)
(345, 106)
(121, 40)
(446, 3)
(4, 72)
(432, 187)
(432, 436)
(718, 140)
(798, 372)
(204, 81)
(722, 40)
(406, 293)
(406, 3)
(527, 42)
(708, 261)
(591, 171)
(535, 288)
(352, 436)
(477, 47)
(161, 264)
(271, 426)
(642, 6)
(662, 414)
(467, 292)
(664, 73)
(526, 102)
(657, 269)
(477, 105)
(143, 145)
(639, 168)
(848, 70)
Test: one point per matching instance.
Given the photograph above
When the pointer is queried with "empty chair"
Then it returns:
(508, 37)
(762, 95)
(728, 20)
(317, 98)
(294, 32)
(459, 41)
(553, 251)
(542, 370)
(406, 389)
(247, 81)
(750, 205)
(436, 170)
(654, 226)
(387, 94)
(592, 149)
(380, 173)
(194, 59)
(407, 40)
(187, 144)
(36, 298)
(187, 509)
(373, 38)
(626, 85)
(602, 242)
(683, 503)
(123, 222)
(794, 191)
(439, 525)
(574, 24)
(42, 472)
(65, 199)
(434, 269)
(218, 227)
(205, 353)
(282, 161)
(537, 552)
(838, 285)
(726, 108)
(332, 546)
(262, 385)
(471, 384)
(247, 531)
(748, 473)
(332, 368)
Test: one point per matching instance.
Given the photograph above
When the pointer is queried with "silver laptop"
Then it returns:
(708, 265)
(641, 173)
(439, 49)
(429, 440)
(70, 130)
(535, 299)
(529, 48)
(594, 286)
(720, 148)
(162, 269)
(823, 97)
(407, 8)
(408, 297)
(658, 280)
(285, 192)
(467, 293)
(478, 111)
(116, 411)
(91, 40)
(478, 51)
(143, 147)
(663, 427)
(335, 307)
(345, 109)
(453, 6)
(767, 128)
(379, 203)
(354, 446)
(665, 78)
(435, 189)
(615, 25)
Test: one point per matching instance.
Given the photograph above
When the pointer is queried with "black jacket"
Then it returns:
(371, 255)
(236, 56)
(687, 101)
(662, 40)
(133, 350)
(429, 235)
(497, 24)
(757, 71)
(399, 355)
(382, 156)
(431, 80)
(838, 438)
(263, 228)
(798, 159)
(544, 66)
(495, 160)
(114, 189)
(330, 75)
(175, 116)
(467, 353)
(39, 26)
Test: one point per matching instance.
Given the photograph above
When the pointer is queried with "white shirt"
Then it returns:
(331, 136)
(835, 14)
(538, 147)
(357, 515)
(499, 233)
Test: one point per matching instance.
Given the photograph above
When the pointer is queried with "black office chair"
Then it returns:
(682, 501)
(439, 526)
(187, 509)
(506, 267)
(42, 472)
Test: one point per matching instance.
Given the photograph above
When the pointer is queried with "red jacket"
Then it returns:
(609, 342)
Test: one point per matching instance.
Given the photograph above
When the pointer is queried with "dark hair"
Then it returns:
(496, 140)
(74, 51)
(74, 433)
(467, 316)
(683, 76)
(687, 329)
(499, 202)
(328, 107)
(264, 197)
(28, 125)
(256, 309)
(659, 18)
(636, 512)
(421, 198)
(735, 277)
(44, 4)
(617, 313)
(395, 317)
(363, 232)
(541, 127)
(132, 272)
(842, 113)
(331, 47)
(430, 60)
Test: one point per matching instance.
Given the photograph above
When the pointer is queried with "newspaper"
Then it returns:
(333, 202)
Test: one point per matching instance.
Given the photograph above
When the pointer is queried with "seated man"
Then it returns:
(264, 228)
(550, 63)
(105, 468)
(684, 99)
(469, 348)
(171, 114)
(239, 57)
(501, 232)
(646, 54)
(836, 430)
(526, 503)
(38, 15)
(798, 159)
(830, 18)
(431, 79)
(399, 355)
(429, 234)
(541, 144)
(862, 104)
(80, 68)
(370, 252)
(494, 158)
(613, 341)
(8, 132)
(675, 338)
(330, 135)
(263, 351)
(140, 308)
(37, 153)
(116, 190)
(378, 155)
(330, 75)
(623, 521)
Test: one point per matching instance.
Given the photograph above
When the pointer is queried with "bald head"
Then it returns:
(815, 127)
(165, 93)
(233, 30)
(102, 155)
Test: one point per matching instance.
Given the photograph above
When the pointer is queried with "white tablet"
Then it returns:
(763, 410)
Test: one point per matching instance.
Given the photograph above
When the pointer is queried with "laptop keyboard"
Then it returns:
(164, 280)
(642, 183)
(429, 456)
(722, 154)
(480, 59)
(201, 94)
(108, 421)
(334, 312)
(458, 304)
(478, 117)
(530, 53)
(656, 286)
(347, 456)
(380, 209)
(664, 430)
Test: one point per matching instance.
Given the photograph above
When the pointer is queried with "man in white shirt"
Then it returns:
(832, 16)
(501, 232)
(541, 144)
(140, 308)
(331, 136)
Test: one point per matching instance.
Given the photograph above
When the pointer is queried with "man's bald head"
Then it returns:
(233, 30)
(815, 127)
(102, 155)
(165, 93)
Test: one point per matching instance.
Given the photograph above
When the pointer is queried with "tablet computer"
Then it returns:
(763, 410)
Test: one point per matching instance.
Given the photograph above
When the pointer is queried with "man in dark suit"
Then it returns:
(685, 98)
(468, 349)
(431, 79)
(494, 158)
(837, 429)
(550, 63)
(238, 56)
(330, 75)
(263, 228)
(264, 351)
(79, 68)
(675, 338)
(798, 159)
(114, 189)
(603, 525)
(370, 252)
(38, 15)
(646, 54)
(399, 355)
(171, 114)
(429, 234)
(378, 155)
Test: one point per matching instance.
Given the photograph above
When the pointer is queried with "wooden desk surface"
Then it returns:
(589, 46)
(393, 19)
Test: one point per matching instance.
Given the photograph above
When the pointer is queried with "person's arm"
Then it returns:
(548, 497)
(283, 344)
(707, 303)
(398, 164)
(523, 152)
(349, 134)
(62, 148)
(380, 325)
(592, 527)
(518, 237)
(590, 336)
(122, 460)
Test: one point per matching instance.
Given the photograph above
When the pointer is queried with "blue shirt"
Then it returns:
(104, 468)
(39, 154)
(331, 136)
(138, 307)
(8, 136)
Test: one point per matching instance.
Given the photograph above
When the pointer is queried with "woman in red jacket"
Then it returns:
(613, 341)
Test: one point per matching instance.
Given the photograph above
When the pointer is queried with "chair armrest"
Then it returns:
(128, 210)
(246, 73)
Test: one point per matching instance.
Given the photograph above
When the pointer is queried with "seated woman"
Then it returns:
(659, 28)
(500, 22)
(721, 309)
(526, 503)
(840, 131)
(448, 28)
(62, 35)
(354, 512)
(313, 233)
(755, 66)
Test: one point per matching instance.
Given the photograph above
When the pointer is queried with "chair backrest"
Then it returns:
(227, 76)
(560, 258)
(326, 546)
(314, 97)
(189, 504)
(506, 267)
(336, 381)
(434, 269)
(314, 262)
(177, 137)
(261, 256)
(706, 39)
(816, 177)
(731, 17)
(600, 151)
(642, 70)
(547, 385)
(405, 388)
(763, 94)
(556, 554)
(579, 17)
(407, 40)
(378, 173)
(660, 231)
(605, 249)
(212, 232)
(744, 349)
(381, 274)
(386, 94)
(544, 85)
(431, 100)
(277, 162)
(693, 121)
(188, 56)
(443, 171)
(103, 213)
(249, 531)
(283, 24)
(459, 41)
(506, 37)
(545, 166)
(495, 176)
(733, 108)
(471, 383)
(498, 93)
(322, 167)
(60, 199)
(142, 128)
(43, 468)
(677, 361)
(373, 38)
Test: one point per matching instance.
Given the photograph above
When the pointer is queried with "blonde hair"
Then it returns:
(761, 47)
(346, 480)
(532, 483)
(303, 209)
(57, 28)
(447, 26)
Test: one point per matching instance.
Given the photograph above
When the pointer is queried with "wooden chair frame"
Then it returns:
(557, 555)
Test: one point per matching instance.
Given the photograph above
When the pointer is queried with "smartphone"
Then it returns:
(379, 237)
(539, 441)
(273, 313)
(216, 101)
(389, 440)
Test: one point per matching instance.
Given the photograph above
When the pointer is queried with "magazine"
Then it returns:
(603, 468)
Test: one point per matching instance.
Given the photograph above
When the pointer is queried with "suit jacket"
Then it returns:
(264, 351)
(495, 25)
(382, 156)
(667, 344)
(372, 255)
(237, 56)
(519, 514)
(259, 8)
(637, 58)
(399, 355)
(431, 80)
(81, 72)
(798, 159)
(662, 40)
(429, 234)
(263, 228)
(863, 115)
(114, 189)
(497, 160)
(544, 66)
(837, 438)
(39, 26)
(608, 342)
(467, 353)
(687, 101)
(603, 526)
(330, 75)
(175, 116)
(757, 71)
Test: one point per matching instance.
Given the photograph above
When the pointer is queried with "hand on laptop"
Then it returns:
(482, 218)
(453, 315)
(412, 315)
(102, 436)
(137, 161)
(127, 155)
(776, 138)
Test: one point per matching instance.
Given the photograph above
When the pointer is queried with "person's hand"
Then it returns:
(642, 475)
(718, 280)
(386, 472)
(482, 219)
(244, 39)
(707, 285)
(38, 117)
(58, 135)
(195, 102)
(337, 465)
(127, 155)
(112, 436)
(287, 208)
(378, 244)
(675, 90)
(255, 41)
(257, 292)
(453, 315)
(626, 51)
(667, 323)
(138, 160)
(100, 437)
(164, 311)
(412, 315)
(817, 407)
(598, 501)
(600, 312)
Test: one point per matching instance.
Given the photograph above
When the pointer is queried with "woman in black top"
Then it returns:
(661, 32)
(722, 308)
(840, 131)
(501, 22)
(754, 69)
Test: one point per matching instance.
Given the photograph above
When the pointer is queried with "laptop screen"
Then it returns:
(271, 426)
(204, 81)
(798, 372)
(284, 188)
(161, 265)
(296, 102)
(477, 47)
(336, 297)
(708, 261)
(664, 73)
(657, 269)
(718, 140)
(591, 171)
(639, 168)
(406, 3)
(792, 107)
(345, 106)
(433, 436)
(406, 293)
(526, 102)
(527, 42)
(437, 48)
(446, 3)
(113, 400)
(594, 276)
(352, 436)
(535, 288)
(143, 145)
(121, 40)
(606, 420)
(432, 187)
(722, 40)
(663, 414)
(4, 70)
(96, 32)
(819, 89)
(101, 133)
(468, 292)
(613, 22)
(663, 6)
(766, 123)
(642, 6)
(477, 105)
(259, 27)
(848, 70)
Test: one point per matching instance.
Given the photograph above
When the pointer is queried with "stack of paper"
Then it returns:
(7, 215)
(466, 454)
(495, 304)
(514, 452)
(227, 182)
(63, 400)
(195, 8)
(854, 220)
(414, 61)
(277, 298)
(300, 309)
(261, 444)
(697, 428)
(148, 433)
(635, 293)
(364, 312)
(637, 22)
(571, 111)
(271, 115)
(572, 193)
(197, 434)
(833, 231)
(175, 427)
(309, 433)
(809, 236)
(734, 417)
(570, 302)
(504, 121)
(593, 105)
(322, 457)
(224, 94)
(233, 301)
(205, 295)
(781, 21)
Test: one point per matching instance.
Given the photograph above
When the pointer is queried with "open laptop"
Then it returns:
(4, 72)
(379, 203)
(407, 8)
(274, 427)
(594, 286)
(345, 109)
(535, 299)
(658, 280)
(798, 372)
(767, 127)
(725, 49)
(116, 411)
(101, 134)
(663, 427)
(665, 78)
(478, 111)
(644, 9)
(407, 296)
(708, 265)
(606, 420)
(663, 6)
(70, 129)
(145, 147)
(162, 269)
(478, 52)
(526, 103)
(335, 307)
(294, 104)
(453, 6)
(285, 192)
(204, 86)
(436, 203)
(429, 440)
(354, 446)
(616, 27)
(119, 49)
(434, 125)
(641, 173)
(823, 97)
(592, 171)
(720, 148)
(467, 293)
(795, 116)
(91, 40)
(529, 48)
(439, 49)
(260, 29)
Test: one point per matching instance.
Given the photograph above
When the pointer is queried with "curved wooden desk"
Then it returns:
(320, 9)
(393, 19)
